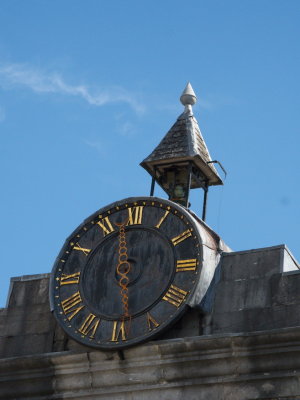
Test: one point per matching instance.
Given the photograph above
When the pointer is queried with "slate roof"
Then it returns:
(184, 142)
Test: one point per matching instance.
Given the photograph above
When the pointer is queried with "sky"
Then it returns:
(89, 88)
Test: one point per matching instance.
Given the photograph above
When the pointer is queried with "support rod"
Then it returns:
(152, 186)
(204, 203)
(189, 181)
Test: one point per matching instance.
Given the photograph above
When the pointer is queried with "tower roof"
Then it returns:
(184, 142)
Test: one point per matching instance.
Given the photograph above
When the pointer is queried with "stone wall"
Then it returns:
(216, 367)
(258, 290)
(244, 342)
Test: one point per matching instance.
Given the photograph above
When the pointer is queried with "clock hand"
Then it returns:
(123, 266)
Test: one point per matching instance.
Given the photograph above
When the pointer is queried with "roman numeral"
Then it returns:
(151, 322)
(89, 325)
(69, 279)
(69, 305)
(135, 215)
(186, 265)
(162, 219)
(180, 238)
(79, 248)
(106, 226)
(175, 296)
(118, 328)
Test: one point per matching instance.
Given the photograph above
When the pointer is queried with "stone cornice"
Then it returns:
(247, 366)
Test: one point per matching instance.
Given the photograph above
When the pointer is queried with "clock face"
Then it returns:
(125, 274)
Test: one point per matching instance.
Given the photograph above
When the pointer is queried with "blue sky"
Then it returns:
(89, 88)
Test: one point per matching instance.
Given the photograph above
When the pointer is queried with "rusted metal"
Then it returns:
(221, 166)
(123, 267)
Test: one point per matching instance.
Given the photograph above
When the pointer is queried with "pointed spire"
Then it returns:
(188, 95)
(188, 98)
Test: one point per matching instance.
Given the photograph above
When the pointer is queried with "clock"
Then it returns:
(126, 273)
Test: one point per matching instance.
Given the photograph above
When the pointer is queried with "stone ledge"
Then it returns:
(255, 263)
(247, 366)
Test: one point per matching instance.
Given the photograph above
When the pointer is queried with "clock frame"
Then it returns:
(165, 257)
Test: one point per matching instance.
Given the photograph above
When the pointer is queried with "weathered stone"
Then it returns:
(243, 294)
(189, 325)
(251, 264)
(254, 294)
(285, 288)
(243, 357)
(218, 367)
(26, 320)
(12, 346)
(30, 289)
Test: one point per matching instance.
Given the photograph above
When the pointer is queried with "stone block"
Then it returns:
(242, 294)
(13, 346)
(76, 346)
(26, 378)
(262, 365)
(190, 324)
(32, 289)
(27, 320)
(254, 293)
(285, 289)
(59, 338)
(256, 319)
(258, 263)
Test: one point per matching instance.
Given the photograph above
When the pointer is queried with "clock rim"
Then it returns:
(163, 327)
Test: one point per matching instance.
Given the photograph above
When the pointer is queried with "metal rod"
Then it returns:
(189, 181)
(204, 203)
(221, 166)
(152, 184)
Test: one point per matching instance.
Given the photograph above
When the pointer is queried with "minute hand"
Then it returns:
(123, 267)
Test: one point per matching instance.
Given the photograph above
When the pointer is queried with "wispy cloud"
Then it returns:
(2, 114)
(12, 75)
(204, 104)
(97, 145)
(124, 126)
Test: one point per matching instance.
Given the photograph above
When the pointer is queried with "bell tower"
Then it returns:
(182, 161)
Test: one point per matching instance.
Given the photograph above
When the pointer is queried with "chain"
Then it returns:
(123, 267)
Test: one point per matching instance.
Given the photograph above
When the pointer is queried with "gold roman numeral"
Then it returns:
(162, 219)
(118, 328)
(106, 226)
(186, 265)
(85, 251)
(69, 279)
(135, 215)
(69, 305)
(175, 296)
(151, 322)
(89, 325)
(180, 238)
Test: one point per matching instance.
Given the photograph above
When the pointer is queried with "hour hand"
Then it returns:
(123, 267)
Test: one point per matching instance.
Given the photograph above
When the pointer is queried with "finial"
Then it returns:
(188, 97)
